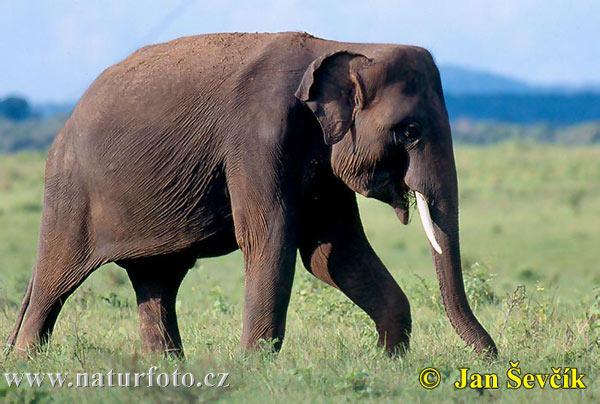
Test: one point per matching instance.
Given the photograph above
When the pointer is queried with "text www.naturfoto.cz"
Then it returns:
(152, 378)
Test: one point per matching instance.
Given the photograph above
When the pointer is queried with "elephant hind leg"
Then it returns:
(62, 266)
(156, 281)
(11, 340)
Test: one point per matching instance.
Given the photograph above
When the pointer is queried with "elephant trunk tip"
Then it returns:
(474, 335)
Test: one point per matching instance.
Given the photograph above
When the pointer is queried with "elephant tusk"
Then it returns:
(423, 209)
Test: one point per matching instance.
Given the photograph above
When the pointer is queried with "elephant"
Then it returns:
(207, 144)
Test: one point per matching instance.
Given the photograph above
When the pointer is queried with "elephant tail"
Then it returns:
(12, 339)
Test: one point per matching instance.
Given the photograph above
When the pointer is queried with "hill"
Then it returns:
(461, 81)
(559, 109)
(465, 81)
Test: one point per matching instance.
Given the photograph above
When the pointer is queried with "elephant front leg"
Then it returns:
(266, 237)
(335, 249)
(269, 259)
(268, 287)
(262, 184)
(355, 270)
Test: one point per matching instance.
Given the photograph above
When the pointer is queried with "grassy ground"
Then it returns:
(530, 236)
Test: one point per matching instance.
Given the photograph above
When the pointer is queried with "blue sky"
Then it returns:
(52, 50)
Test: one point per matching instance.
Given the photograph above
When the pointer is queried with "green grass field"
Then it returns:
(530, 232)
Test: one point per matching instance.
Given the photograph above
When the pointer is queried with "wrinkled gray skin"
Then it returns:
(202, 145)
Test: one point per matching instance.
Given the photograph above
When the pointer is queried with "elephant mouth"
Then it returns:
(402, 205)
(402, 209)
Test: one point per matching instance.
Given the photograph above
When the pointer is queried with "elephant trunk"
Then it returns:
(437, 202)
(449, 273)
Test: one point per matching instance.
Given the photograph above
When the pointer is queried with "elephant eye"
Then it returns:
(407, 133)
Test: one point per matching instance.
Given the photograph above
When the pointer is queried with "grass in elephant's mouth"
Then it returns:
(530, 267)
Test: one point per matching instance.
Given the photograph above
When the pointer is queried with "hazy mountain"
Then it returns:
(551, 108)
(464, 81)
(461, 81)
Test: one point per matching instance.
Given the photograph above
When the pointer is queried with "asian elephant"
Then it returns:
(205, 144)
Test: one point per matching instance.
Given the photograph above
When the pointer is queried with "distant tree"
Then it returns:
(15, 108)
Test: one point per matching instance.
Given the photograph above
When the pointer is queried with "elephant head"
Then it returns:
(386, 121)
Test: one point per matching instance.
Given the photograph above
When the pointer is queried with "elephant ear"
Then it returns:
(332, 89)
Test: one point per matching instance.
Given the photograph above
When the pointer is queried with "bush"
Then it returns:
(15, 108)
